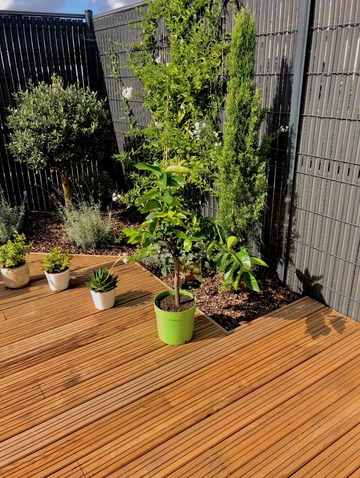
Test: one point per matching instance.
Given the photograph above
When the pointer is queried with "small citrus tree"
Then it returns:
(55, 126)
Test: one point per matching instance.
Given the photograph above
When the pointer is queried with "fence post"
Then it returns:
(91, 47)
(294, 121)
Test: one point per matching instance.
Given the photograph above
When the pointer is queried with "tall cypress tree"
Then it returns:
(242, 182)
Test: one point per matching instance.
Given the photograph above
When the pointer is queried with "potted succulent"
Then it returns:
(56, 265)
(15, 271)
(102, 285)
(175, 230)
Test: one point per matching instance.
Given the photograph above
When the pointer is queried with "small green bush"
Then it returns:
(12, 254)
(56, 261)
(85, 225)
(11, 218)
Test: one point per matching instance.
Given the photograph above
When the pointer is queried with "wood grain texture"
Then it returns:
(87, 393)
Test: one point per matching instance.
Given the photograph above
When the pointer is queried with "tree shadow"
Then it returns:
(312, 288)
(279, 144)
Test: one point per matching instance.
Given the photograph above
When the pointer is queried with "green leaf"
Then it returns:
(177, 169)
(150, 205)
(187, 245)
(180, 234)
(152, 227)
(147, 196)
(181, 114)
(167, 197)
(229, 271)
(231, 241)
(149, 167)
(210, 248)
(163, 182)
(244, 258)
(256, 261)
(250, 281)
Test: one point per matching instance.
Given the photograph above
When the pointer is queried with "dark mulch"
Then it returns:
(230, 309)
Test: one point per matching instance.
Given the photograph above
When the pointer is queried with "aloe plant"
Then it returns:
(102, 280)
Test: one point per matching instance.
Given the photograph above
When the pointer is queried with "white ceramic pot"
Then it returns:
(58, 281)
(16, 277)
(104, 300)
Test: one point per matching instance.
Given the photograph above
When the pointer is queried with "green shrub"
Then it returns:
(242, 182)
(57, 126)
(11, 218)
(56, 261)
(85, 225)
(12, 254)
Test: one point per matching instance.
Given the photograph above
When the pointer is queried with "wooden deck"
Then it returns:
(94, 393)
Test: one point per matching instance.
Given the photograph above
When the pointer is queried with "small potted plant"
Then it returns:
(102, 284)
(56, 265)
(15, 271)
(173, 228)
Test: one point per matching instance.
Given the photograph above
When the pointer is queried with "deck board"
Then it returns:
(95, 393)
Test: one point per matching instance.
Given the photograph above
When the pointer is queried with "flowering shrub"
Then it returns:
(184, 82)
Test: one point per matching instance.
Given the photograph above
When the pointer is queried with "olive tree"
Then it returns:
(55, 126)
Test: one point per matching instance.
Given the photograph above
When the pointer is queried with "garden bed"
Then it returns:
(228, 308)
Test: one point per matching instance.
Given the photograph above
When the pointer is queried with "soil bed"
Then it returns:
(229, 309)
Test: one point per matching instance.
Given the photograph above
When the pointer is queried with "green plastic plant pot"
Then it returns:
(174, 328)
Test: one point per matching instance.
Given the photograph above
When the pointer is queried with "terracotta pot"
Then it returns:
(16, 277)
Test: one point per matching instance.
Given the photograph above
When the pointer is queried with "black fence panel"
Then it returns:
(33, 47)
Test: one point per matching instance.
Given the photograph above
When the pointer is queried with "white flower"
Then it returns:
(197, 126)
(158, 60)
(182, 107)
(157, 124)
(116, 197)
(127, 92)
(216, 134)
(284, 129)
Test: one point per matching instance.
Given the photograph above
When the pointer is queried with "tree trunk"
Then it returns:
(176, 282)
(67, 189)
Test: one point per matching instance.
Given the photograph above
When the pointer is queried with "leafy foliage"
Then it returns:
(11, 218)
(183, 80)
(174, 230)
(13, 252)
(102, 280)
(54, 126)
(56, 261)
(85, 225)
(235, 264)
(242, 183)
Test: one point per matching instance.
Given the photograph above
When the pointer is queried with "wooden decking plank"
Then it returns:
(252, 365)
(311, 437)
(62, 453)
(71, 471)
(105, 382)
(218, 405)
(220, 396)
(19, 355)
(185, 446)
(341, 458)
